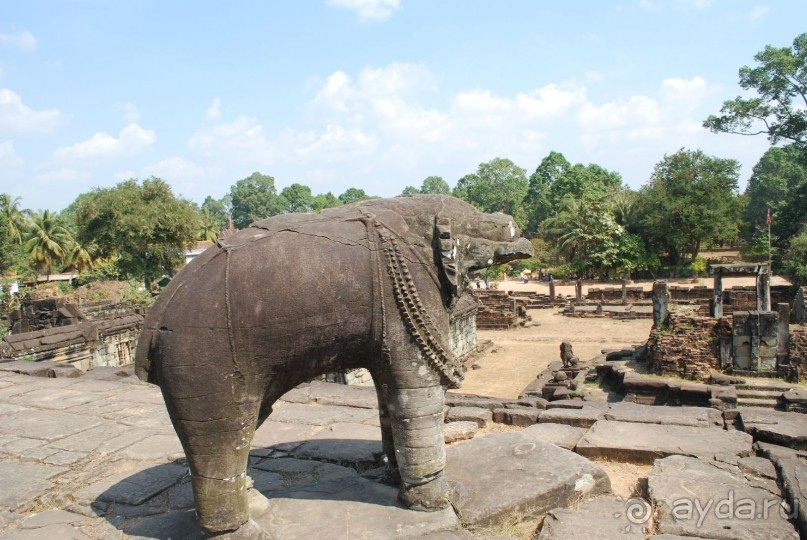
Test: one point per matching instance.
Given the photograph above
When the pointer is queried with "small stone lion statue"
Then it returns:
(567, 355)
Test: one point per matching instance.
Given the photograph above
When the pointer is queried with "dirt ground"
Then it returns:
(519, 355)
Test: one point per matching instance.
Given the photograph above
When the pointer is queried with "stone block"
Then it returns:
(558, 434)
(482, 417)
(502, 473)
(730, 506)
(648, 414)
(459, 431)
(516, 417)
(584, 417)
(605, 517)
(775, 427)
(644, 443)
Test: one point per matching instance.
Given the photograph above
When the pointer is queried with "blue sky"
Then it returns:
(376, 94)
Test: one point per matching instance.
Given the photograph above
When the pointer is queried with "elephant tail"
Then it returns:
(145, 356)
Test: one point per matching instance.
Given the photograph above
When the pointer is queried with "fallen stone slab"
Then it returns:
(482, 417)
(653, 414)
(281, 436)
(45, 369)
(774, 451)
(466, 400)
(558, 434)
(21, 483)
(321, 415)
(344, 443)
(757, 466)
(584, 417)
(793, 473)
(516, 417)
(343, 395)
(502, 473)
(347, 508)
(459, 431)
(775, 427)
(604, 518)
(710, 499)
(644, 443)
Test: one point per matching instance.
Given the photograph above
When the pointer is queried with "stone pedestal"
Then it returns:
(552, 290)
(755, 340)
(578, 292)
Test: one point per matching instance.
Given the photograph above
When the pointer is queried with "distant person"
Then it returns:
(487, 283)
(478, 283)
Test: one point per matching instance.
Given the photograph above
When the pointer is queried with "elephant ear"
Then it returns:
(446, 255)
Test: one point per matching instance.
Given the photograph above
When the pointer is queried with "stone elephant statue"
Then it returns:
(291, 297)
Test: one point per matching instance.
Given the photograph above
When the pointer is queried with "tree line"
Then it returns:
(583, 218)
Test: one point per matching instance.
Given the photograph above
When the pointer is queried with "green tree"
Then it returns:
(410, 190)
(144, 227)
(795, 259)
(218, 209)
(325, 200)
(498, 185)
(780, 108)
(298, 198)
(435, 185)
(46, 242)
(253, 198)
(79, 255)
(537, 203)
(352, 195)
(209, 226)
(690, 200)
(12, 217)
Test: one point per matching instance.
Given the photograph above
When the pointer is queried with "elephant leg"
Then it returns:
(216, 438)
(417, 428)
(392, 476)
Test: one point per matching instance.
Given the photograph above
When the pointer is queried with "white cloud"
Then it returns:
(8, 157)
(650, 5)
(16, 117)
(63, 175)
(214, 111)
(758, 12)
(131, 141)
(369, 9)
(174, 168)
(25, 41)
(129, 111)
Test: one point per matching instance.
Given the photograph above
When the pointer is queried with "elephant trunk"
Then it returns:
(510, 251)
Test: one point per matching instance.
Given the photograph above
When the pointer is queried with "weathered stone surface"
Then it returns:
(774, 451)
(46, 425)
(558, 434)
(348, 443)
(352, 508)
(482, 402)
(651, 414)
(62, 531)
(793, 473)
(156, 447)
(459, 431)
(757, 466)
(482, 417)
(282, 435)
(710, 499)
(296, 413)
(343, 395)
(584, 417)
(600, 518)
(294, 473)
(133, 487)
(644, 443)
(20, 483)
(178, 525)
(782, 428)
(518, 471)
(516, 417)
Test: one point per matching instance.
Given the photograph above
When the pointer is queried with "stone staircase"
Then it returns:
(765, 395)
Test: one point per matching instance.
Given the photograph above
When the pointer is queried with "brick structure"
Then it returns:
(687, 347)
(797, 350)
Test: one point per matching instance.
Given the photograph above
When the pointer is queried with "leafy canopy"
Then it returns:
(780, 108)
(143, 225)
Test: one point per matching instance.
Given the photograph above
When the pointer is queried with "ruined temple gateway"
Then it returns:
(224, 342)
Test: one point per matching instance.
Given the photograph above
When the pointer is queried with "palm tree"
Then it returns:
(46, 241)
(12, 217)
(209, 226)
(78, 255)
